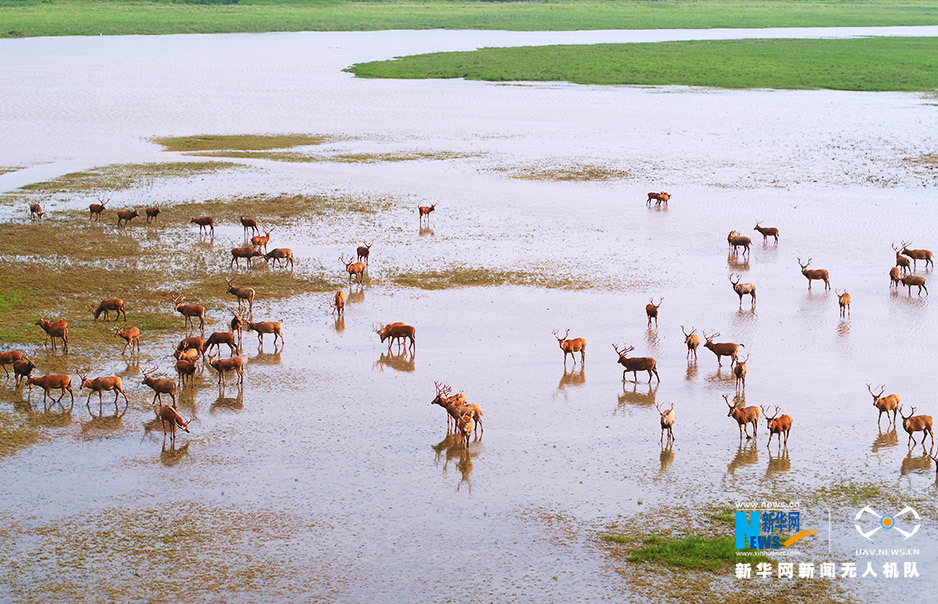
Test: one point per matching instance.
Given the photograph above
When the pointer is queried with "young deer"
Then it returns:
(456, 406)
(465, 425)
(744, 416)
(131, 338)
(424, 211)
(280, 255)
(722, 349)
(55, 382)
(190, 343)
(814, 274)
(101, 385)
(222, 366)
(152, 212)
(651, 309)
(206, 224)
(636, 364)
(885, 404)
(125, 216)
(185, 371)
(169, 415)
(355, 269)
(249, 224)
(917, 423)
(55, 329)
(243, 294)
(237, 325)
(571, 346)
(894, 278)
(917, 255)
(917, 280)
(740, 372)
(667, 422)
(261, 241)
(338, 304)
(96, 209)
(843, 300)
(107, 306)
(766, 232)
(902, 263)
(399, 332)
(160, 386)
(274, 327)
(22, 368)
(737, 241)
(10, 357)
(692, 340)
(363, 252)
(190, 311)
(743, 289)
(658, 198)
(237, 253)
(778, 424)
(217, 339)
(35, 212)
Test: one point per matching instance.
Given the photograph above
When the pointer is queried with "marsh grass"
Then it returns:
(241, 142)
(466, 276)
(7, 169)
(274, 208)
(567, 172)
(340, 158)
(15, 433)
(118, 177)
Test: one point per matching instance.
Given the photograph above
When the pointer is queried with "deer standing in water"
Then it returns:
(190, 312)
(777, 424)
(160, 386)
(355, 270)
(917, 255)
(261, 241)
(885, 404)
(338, 304)
(263, 327)
(917, 280)
(54, 382)
(96, 209)
(814, 274)
(737, 241)
(399, 332)
(740, 372)
(894, 279)
(743, 289)
(571, 346)
(22, 368)
(766, 232)
(722, 349)
(282, 256)
(917, 423)
(659, 198)
(206, 224)
(843, 300)
(902, 263)
(651, 309)
(692, 340)
(424, 211)
(249, 224)
(744, 416)
(244, 295)
(131, 337)
(100, 385)
(169, 415)
(667, 422)
(363, 252)
(10, 357)
(636, 364)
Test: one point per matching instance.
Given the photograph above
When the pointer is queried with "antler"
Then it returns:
(616, 348)
(151, 370)
(728, 403)
(744, 361)
(377, 327)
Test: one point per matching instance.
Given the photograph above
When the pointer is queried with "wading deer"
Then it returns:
(152, 212)
(363, 252)
(237, 325)
(169, 415)
(744, 416)
(338, 304)
(766, 232)
(160, 386)
(190, 311)
(400, 332)
(217, 339)
(885, 404)
(571, 346)
(10, 357)
(894, 278)
(189, 354)
(743, 289)
(222, 366)
(190, 343)
(274, 327)
(22, 369)
(206, 224)
(777, 424)
(101, 385)
(249, 224)
(96, 209)
(261, 241)
(902, 263)
(843, 300)
(651, 309)
(636, 364)
(917, 255)
(125, 216)
(814, 274)
(465, 425)
(659, 198)
(109, 305)
(916, 280)
(456, 406)
(722, 349)
(35, 212)
(917, 423)
(355, 270)
(740, 372)
(237, 253)
(185, 371)
(424, 211)
(737, 241)
(131, 338)
(692, 340)
(55, 382)
(243, 294)
(280, 255)
(667, 422)
(55, 329)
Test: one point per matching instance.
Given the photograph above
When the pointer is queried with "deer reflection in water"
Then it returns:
(572, 378)
(228, 403)
(746, 455)
(404, 361)
(267, 358)
(103, 423)
(885, 439)
(915, 465)
(339, 324)
(173, 455)
(666, 457)
(634, 397)
(778, 463)
(453, 446)
(426, 231)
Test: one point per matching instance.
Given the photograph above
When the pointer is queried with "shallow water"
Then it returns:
(343, 441)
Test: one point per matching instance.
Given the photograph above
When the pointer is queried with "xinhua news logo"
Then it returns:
(764, 530)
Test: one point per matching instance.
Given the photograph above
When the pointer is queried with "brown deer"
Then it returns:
(465, 426)
(217, 339)
(355, 269)
(743, 289)
(651, 309)
(169, 415)
(571, 346)
(636, 364)
(249, 224)
(894, 278)
(237, 325)
(22, 368)
(456, 406)
(153, 212)
(52, 382)
(766, 232)
(338, 304)
(885, 404)
(96, 209)
(160, 386)
(917, 423)
(125, 216)
(722, 349)
(814, 274)
(107, 306)
(185, 371)
(190, 312)
(363, 252)
(101, 385)
(10, 357)
(400, 332)
(658, 198)
(917, 255)
(902, 263)
(667, 422)
(843, 300)
(190, 343)
(261, 241)
(740, 372)
(243, 294)
(237, 253)
(424, 211)
(744, 416)
(280, 255)
(917, 280)
(274, 327)
(131, 338)
(692, 340)
(777, 424)
(35, 212)
(206, 224)
(222, 366)
(55, 329)
(737, 241)
(188, 354)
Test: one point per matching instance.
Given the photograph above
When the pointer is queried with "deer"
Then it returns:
(743, 289)
(814, 274)
(190, 312)
(131, 338)
(355, 269)
(667, 422)
(777, 424)
(651, 309)
(188, 354)
(274, 327)
(261, 241)
(125, 216)
(571, 346)
(153, 212)
(456, 406)
(96, 209)
(744, 416)
(885, 404)
(740, 372)
(658, 198)
(169, 415)
(722, 349)
(400, 332)
(465, 426)
(424, 211)
(217, 339)
(185, 371)
(843, 300)
(222, 366)
(737, 241)
(237, 253)
(206, 224)
(636, 364)
(917, 255)
(917, 280)
(692, 340)
(52, 382)
(10, 357)
(100, 385)
(55, 329)
(917, 423)
(243, 294)
(363, 252)
(237, 325)
(190, 343)
(249, 224)
(338, 304)
(107, 306)
(22, 368)
(280, 254)
(35, 212)
(902, 263)
(766, 232)
(894, 278)
(160, 386)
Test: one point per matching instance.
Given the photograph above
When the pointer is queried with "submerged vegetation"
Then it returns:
(118, 177)
(466, 276)
(340, 158)
(15, 433)
(571, 172)
(241, 142)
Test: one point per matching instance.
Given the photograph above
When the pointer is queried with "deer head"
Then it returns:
(766, 413)
(804, 266)
(906, 417)
(875, 396)
(709, 337)
(626, 349)
(560, 340)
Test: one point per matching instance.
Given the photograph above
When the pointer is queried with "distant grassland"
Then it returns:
(112, 17)
(899, 64)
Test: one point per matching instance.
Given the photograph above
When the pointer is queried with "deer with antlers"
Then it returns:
(885, 404)
(35, 212)
(902, 263)
(667, 422)
(570, 347)
(261, 241)
(8, 358)
(766, 232)
(916, 280)
(651, 309)
(917, 255)
(281, 256)
(338, 303)
(692, 341)
(363, 252)
(265, 327)
(843, 301)
(125, 216)
(399, 332)
(249, 224)
(131, 338)
(169, 415)
(96, 209)
(737, 241)
(153, 212)
(160, 386)
(245, 253)
(456, 406)
(743, 289)
(190, 312)
(814, 274)
(424, 212)
(22, 368)
(55, 329)
(739, 371)
(744, 416)
(722, 349)
(917, 423)
(777, 424)
(636, 364)
(109, 305)
(223, 366)
(355, 270)
(244, 295)
(52, 382)
(206, 224)
(100, 385)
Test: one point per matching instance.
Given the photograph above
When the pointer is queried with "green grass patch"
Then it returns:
(268, 209)
(122, 17)
(341, 158)
(570, 172)
(700, 553)
(241, 142)
(125, 176)
(466, 276)
(871, 64)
